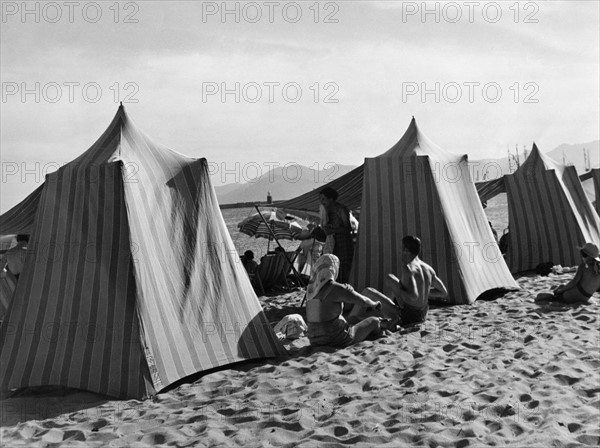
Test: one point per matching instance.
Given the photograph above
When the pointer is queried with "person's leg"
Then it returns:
(391, 285)
(364, 328)
(389, 309)
(574, 295)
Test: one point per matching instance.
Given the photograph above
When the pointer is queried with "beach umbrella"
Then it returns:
(255, 226)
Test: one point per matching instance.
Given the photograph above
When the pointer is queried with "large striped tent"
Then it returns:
(418, 188)
(549, 214)
(132, 281)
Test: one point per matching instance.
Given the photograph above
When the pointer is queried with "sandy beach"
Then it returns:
(505, 372)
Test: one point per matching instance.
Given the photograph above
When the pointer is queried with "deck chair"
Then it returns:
(272, 271)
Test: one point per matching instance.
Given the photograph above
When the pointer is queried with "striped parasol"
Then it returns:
(256, 227)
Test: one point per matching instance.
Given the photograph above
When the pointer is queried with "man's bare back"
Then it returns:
(418, 281)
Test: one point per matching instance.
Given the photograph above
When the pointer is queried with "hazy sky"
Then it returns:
(522, 73)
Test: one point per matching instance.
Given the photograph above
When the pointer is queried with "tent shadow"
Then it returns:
(46, 402)
(493, 294)
(560, 307)
(248, 347)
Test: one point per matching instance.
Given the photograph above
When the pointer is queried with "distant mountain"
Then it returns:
(293, 180)
(574, 154)
(487, 169)
(284, 182)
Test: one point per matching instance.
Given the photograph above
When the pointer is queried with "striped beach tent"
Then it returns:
(132, 281)
(427, 192)
(8, 284)
(549, 214)
(417, 188)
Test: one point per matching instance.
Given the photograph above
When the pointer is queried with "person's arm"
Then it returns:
(438, 289)
(353, 298)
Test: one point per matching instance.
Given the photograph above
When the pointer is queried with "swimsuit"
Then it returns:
(335, 332)
(583, 292)
(411, 315)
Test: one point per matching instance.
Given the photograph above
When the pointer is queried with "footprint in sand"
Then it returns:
(340, 431)
(565, 379)
(343, 400)
(525, 397)
(449, 347)
(588, 439)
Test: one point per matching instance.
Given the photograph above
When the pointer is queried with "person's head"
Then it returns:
(589, 252)
(411, 246)
(328, 196)
(22, 238)
(311, 226)
(279, 250)
(248, 255)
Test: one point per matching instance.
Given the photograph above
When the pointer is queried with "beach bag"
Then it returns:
(291, 326)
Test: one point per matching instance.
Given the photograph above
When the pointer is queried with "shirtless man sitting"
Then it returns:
(418, 281)
(325, 304)
(585, 282)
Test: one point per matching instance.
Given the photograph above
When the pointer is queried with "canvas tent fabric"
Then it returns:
(349, 188)
(490, 189)
(132, 281)
(428, 192)
(549, 214)
(594, 175)
(20, 218)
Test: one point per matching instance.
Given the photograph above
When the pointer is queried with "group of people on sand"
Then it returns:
(373, 312)
(405, 299)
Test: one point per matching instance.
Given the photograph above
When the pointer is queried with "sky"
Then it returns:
(267, 83)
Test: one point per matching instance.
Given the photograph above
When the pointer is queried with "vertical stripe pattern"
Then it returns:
(132, 281)
(57, 330)
(549, 214)
(596, 178)
(416, 188)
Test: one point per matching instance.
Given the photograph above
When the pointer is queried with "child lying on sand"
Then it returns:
(585, 282)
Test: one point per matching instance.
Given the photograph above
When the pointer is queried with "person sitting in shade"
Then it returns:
(325, 305)
(14, 258)
(410, 292)
(585, 282)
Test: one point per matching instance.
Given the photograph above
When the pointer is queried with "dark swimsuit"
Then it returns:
(586, 294)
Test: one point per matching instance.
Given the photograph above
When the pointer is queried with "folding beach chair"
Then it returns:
(272, 271)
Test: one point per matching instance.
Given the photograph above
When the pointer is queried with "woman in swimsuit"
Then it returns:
(586, 281)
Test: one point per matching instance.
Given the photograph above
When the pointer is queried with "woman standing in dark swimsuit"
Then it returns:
(338, 224)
